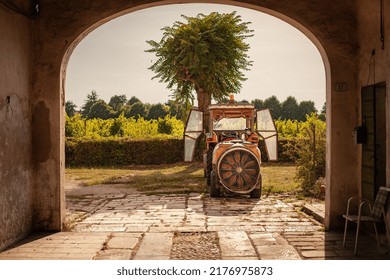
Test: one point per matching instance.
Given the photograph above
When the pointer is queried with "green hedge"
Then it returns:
(123, 151)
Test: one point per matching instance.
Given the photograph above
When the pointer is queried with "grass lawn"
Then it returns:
(177, 178)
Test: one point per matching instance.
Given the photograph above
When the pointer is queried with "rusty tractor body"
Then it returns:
(232, 159)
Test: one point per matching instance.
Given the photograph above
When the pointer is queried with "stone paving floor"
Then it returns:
(122, 226)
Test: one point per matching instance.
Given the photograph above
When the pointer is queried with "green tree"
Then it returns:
(175, 109)
(70, 108)
(305, 108)
(322, 115)
(138, 109)
(207, 54)
(273, 104)
(290, 109)
(258, 103)
(100, 110)
(133, 100)
(92, 98)
(117, 102)
(157, 111)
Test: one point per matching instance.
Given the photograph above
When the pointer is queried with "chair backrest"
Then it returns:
(381, 201)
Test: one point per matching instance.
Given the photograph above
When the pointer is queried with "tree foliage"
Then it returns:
(289, 108)
(70, 108)
(100, 109)
(117, 102)
(323, 112)
(311, 154)
(305, 108)
(258, 103)
(137, 110)
(180, 111)
(157, 111)
(206, 54)
(274, 106)
(92, 98)
(133, 100)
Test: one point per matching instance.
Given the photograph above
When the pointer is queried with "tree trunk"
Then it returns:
(204, 101)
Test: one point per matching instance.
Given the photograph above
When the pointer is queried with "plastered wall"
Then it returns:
(15, 127)
(374, 56)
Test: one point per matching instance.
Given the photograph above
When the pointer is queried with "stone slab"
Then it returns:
(318, 254)
(155, 246)
(235, 244)
(122, 242)
(278, 252)
(114, 254)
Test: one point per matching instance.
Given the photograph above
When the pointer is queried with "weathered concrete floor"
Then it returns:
(135, 226)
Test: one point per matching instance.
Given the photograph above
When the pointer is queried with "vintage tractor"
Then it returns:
(232, 159)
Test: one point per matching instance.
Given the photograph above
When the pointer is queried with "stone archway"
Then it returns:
(61, 25)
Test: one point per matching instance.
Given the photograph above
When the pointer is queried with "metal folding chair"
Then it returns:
(376, 214)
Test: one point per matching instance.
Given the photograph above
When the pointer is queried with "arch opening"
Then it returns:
(301, 27)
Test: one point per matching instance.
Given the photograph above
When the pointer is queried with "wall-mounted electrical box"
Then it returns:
(360, 134)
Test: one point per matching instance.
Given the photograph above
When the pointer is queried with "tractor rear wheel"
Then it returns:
(214, 190)
(256, 193)
(208, 165)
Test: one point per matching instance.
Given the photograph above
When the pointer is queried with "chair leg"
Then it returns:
(345, 232)
(387, 230)
(376, 234)
(357, 236)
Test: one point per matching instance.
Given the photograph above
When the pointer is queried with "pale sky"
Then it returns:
(112, 59)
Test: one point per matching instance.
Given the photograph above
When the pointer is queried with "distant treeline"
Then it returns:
(96, 108)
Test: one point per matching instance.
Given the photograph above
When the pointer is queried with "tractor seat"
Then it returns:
(229, 135)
